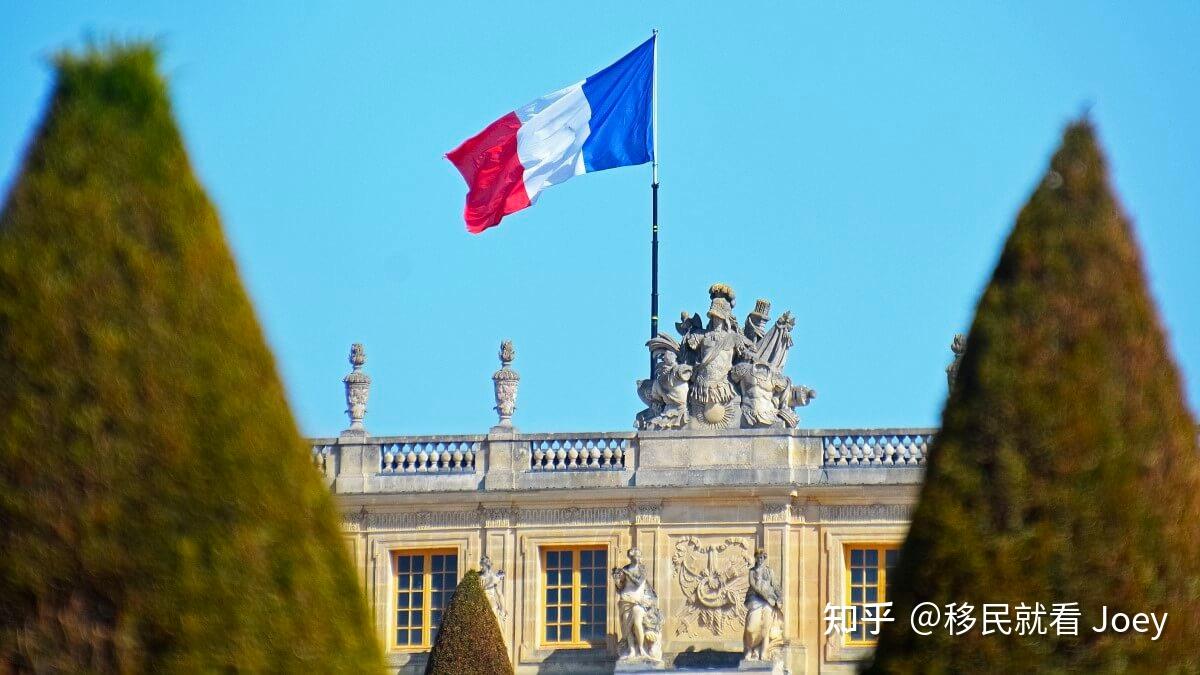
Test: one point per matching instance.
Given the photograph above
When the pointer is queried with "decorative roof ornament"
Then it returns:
(719, 377)
(505, 382)
(959, 347)
(358, 389)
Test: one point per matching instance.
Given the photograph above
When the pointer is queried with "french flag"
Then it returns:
(600, 123)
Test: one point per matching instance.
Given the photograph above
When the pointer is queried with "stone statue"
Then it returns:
(959, 347)
(712, 396)
(504, 382)
(757, 383)
(719, 377)
(756, 323)
(358, 389)
(667, 394)
(492, 581)
(764, 613)
(773, 348)
(789, 396)
(637, 606)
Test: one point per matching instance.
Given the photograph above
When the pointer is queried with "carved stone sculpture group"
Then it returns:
(717, 376)
(641, 620)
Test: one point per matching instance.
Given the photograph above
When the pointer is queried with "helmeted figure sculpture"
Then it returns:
(718, 376)
(764, 612)
(637, 606)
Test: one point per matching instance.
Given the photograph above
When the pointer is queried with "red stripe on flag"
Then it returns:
(489, 163)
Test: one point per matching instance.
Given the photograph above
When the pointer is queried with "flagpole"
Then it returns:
(654, 203)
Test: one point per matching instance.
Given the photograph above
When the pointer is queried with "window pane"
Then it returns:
(856, 556)
(872, 557)
(418, 563)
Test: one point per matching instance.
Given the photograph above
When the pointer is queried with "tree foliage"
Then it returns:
(469, 640)
(159, 509)
(1066, 469)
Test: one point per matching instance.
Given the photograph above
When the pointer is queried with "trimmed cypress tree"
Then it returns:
(1066, 469)
(159, 509)
(469, 640)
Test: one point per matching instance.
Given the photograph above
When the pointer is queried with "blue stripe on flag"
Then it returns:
(620, 97)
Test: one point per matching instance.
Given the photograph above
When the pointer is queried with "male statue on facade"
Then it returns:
(764, 611)
(637, 605)
(492, 581)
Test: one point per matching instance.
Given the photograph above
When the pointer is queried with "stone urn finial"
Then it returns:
(505, 382)
(959, 347)
(358, 388)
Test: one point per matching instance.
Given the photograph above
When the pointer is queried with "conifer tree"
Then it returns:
(1066, 469)
(160, 512)
(469, 640)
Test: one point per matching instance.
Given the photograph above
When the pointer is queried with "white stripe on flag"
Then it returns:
(550, 140)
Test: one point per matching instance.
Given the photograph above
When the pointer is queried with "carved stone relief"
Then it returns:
(713, 580)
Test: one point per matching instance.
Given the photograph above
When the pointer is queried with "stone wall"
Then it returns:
(696, 503)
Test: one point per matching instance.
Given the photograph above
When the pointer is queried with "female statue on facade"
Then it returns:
(637, 605)
(492, 581)
(764, 613)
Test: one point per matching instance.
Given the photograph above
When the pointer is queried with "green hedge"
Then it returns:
(159, 509)
(1066, 469)
(469, 640)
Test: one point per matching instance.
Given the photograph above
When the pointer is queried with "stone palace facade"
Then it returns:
(743, 526)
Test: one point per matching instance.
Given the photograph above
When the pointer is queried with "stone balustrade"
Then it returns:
(449, 455)
(324, 457)
(871, 448)
(559, 452)
(508, 460)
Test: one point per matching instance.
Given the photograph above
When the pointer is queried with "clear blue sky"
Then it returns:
(859, 164)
